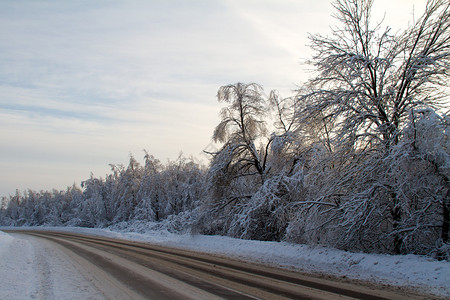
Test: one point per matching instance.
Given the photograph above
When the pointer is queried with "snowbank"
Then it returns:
(5, 242)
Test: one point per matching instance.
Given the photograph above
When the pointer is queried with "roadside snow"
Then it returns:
(5, 242)
(421, 273)
(33, 269)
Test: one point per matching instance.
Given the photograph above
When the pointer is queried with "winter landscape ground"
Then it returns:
(31, 269)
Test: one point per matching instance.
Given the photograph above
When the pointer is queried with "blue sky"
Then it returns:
(86, 83)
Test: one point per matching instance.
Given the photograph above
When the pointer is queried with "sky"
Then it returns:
(85, 84)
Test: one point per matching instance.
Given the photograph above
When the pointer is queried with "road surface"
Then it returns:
(123, 269)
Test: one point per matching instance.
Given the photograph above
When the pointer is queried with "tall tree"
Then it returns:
(369, 78)
(241, 126)
(368, 82)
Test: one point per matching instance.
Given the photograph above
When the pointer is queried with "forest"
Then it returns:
(357, 158)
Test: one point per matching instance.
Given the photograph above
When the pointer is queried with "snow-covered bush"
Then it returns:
(264, 216)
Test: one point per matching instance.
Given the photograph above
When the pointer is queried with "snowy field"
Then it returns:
(21, 259)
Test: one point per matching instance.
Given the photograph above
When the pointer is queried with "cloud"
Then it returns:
(85, 83)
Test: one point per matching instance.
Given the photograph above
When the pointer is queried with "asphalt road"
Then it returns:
(132, 270)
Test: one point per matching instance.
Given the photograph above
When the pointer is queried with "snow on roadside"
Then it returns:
(32, 269)
(5, 242)
(16, 275)
(422, 273)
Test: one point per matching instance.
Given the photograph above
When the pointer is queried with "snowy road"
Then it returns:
(68, 266)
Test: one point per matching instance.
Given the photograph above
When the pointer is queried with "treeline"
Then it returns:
(358, 158)
(304, 194)
(152, 192)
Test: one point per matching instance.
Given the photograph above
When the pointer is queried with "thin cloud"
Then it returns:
(94, 81)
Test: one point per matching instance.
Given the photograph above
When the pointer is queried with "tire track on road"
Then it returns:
(161, 273)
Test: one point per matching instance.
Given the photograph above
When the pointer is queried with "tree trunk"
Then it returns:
(445, 223)
(446, 217)
(396, 218)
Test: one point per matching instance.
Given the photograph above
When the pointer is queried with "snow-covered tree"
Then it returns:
(368, 78)
(368, 82)
(241, 126)
(128, 186)
(149, 193)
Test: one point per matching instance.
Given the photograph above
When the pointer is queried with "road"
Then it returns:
(132, 270)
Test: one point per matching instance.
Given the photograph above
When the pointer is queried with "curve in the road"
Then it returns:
(155, 272)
